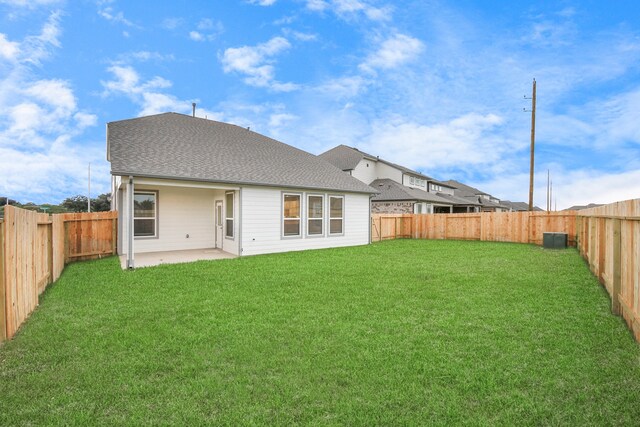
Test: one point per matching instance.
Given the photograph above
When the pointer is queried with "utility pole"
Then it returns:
(89, 197)
(548, 195)
(533, 142)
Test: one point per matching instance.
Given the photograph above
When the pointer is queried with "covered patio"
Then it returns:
(150, 259)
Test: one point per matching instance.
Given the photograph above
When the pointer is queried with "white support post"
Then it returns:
(130, 209)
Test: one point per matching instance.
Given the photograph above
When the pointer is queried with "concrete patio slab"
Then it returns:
(149, 259)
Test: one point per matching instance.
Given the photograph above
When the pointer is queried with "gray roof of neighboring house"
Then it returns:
(472, 193)
(457, 201)
(172, 145)
(518, 206)
(581, 207)
(464, 189)
(391, 190)
(347, 158)
(344, 157)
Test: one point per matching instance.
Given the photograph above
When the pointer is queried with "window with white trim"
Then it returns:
(336, 214)
(229, 209)
(412, 180)
(291, 210)
(145, 213)
(315, 214)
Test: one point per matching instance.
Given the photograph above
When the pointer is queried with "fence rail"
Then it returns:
(521, 227)
(608, 238)
(34, 249)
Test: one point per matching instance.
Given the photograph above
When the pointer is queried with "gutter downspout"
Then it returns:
(130, 263)
(370, 219)
(240, 221)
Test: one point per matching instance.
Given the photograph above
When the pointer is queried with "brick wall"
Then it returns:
(392, 207)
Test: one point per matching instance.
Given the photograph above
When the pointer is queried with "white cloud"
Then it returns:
(298, 35)
(35, 49)
(255, 62)
(393, 52)
(144, 55)
(56, 93)
(30, 4)
(461, 142)
(8, 50)
(108, 13)
(348, 9)
(196, 36)
(40, 122)
(280, 119)
(317, 5)
(343, 87)
(172, 23)
(149, 94)
(85, 120)
(263, 2)
(127, 81)
(569, 187)
(207, 30)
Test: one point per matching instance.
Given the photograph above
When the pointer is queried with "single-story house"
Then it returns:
(181, 182)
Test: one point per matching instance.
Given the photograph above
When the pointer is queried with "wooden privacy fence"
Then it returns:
(34, 248)
(521, 227)
(609, 240)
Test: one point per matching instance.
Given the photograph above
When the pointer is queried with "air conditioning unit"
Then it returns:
(554, 240)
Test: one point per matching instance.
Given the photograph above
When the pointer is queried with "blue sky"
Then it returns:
(435, 86)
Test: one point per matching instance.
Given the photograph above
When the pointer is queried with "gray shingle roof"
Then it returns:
(581, 207)
(518, 206)
(463, 189)
(391, 190)
(347, 158)
(343, 157)
(459, 201)
(177, 146)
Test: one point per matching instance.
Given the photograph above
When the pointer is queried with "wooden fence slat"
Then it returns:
(34, 248)
(3, 314)
(615, 288)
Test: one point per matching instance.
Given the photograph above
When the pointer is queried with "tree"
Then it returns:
(79, 203)
(102, 203)
(75, 204)
(3, 201)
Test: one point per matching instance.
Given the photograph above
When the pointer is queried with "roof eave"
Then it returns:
(231, 182)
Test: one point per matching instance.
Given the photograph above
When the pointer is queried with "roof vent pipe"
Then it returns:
(193, 104)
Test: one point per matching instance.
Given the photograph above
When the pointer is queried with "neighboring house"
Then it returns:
(394, 197)
(518, 206)
(487, 202)
(402, 190)
(581, 207)
(181, 182)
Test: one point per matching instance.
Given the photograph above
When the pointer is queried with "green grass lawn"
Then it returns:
(403, 332)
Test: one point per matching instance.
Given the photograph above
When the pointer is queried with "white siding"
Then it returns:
(447, 190)
(385, 171)
(406, 180)
(365, 171)
(181, 212)
(262, 218)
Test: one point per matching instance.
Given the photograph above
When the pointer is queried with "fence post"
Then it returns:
(617, 266)
(578, 222)
(602, 247)
(3, 299)
(50, 251)
(65, 226)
